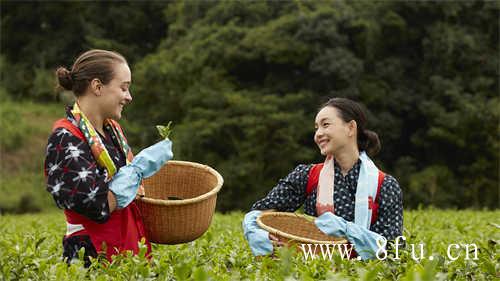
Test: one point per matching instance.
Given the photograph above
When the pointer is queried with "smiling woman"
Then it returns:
(100, 80)
(350, 195)
(86, 154)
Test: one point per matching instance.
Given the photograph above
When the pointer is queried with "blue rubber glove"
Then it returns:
(363, 240)
(127, 180)
(257, 238)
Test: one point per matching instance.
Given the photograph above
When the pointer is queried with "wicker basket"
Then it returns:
(295, 229)
(179, 202)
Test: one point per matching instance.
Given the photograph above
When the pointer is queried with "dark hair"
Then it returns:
(351, 110)
(89, 65)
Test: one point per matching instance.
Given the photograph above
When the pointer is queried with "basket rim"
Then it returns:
(291, 236)
(214, 191)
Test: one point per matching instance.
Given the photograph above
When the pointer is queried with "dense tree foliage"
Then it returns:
(39, 36)
(242, 82)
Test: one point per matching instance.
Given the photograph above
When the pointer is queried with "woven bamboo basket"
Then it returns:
(179, 202)
(295, 229)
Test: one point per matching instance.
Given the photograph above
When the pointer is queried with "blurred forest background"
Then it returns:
(242, 82)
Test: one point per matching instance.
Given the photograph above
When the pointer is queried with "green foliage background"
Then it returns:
(242, 82)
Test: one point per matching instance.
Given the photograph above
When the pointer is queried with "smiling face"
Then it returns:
(332, 133)
(115, 94)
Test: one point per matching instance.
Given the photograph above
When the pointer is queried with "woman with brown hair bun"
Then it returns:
(350, 196)
(90, 170)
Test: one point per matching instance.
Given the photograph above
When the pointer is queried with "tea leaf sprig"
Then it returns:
(164, 131)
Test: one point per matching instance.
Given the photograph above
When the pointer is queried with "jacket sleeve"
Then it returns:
(289, 194)
(389, 222)
(73, 177)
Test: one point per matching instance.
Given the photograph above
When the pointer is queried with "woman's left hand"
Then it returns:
(276, 241)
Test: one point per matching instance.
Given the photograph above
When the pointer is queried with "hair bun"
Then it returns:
(372, 142)
(64, 78)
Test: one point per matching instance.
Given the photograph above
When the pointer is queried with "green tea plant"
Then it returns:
(164, 131)
(30, 249)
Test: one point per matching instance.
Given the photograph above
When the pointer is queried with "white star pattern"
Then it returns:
(74, 152)
(49, 146)
(55, 188)
(103, 212)
(62, 132)
(82, 175)
(53, 167)
(74, 178)
(91, 195)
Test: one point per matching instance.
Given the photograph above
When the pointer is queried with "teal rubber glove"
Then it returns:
(257, 238)
(363, 240)
(127, 180)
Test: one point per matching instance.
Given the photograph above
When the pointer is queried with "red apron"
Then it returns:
(123, 231)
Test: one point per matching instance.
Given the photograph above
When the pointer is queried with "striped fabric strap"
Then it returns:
(326, 181)
(97, 147)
